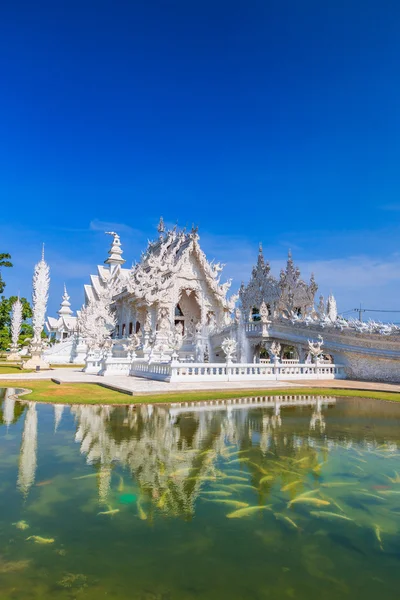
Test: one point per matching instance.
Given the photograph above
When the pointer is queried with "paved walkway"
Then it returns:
(139, 386)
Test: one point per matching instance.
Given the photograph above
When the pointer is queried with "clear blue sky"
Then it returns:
(274, 121)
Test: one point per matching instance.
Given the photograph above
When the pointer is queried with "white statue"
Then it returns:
(164, 324)
(264, 312)
(229, 346)
(315, 348)
(16, 323)
(274, 350)
(40, 296)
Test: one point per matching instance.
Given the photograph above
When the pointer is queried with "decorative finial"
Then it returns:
(115, 252)
(161, 226)
(260, 248)
(43, 251)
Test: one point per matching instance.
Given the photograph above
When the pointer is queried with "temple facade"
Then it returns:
(171, 308)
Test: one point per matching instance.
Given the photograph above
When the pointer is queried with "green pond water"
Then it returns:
(249, 501)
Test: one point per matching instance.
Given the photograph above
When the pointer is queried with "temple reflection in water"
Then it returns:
(172, 452)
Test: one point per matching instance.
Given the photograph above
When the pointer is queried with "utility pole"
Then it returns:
(360, 312)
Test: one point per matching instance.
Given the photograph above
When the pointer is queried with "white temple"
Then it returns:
(66, 325)
(170, 317)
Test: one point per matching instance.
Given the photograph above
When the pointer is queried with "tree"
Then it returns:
(4, 262)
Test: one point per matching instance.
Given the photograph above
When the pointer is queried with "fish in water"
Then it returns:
(236, 478)
(332, 484)
(234, 503)
(244, 486)
(121, 485)
(86, 476)
(308, 493)
(369, 495)
(227, 488)
(394, 479)
(245, 512)
(286, 519)
(325, 514)
(112, 511)
(21, 525)
(266, 478)
(42, 483)
(238, 461)
(395, 492)
(289, 486)
(308, 500)
(301, 460)
(142, 514)
(378, 536)
(40, 540)
(217, 493)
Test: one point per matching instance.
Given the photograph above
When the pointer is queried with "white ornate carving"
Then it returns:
(315, 348)
(16, 323)
(96, 323)
(331, 308)
(229, 347)
(40, 296)
(274, 350)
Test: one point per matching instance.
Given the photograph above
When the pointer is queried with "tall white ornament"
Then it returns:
(331, 308)
(16, 323)
(27, 456)
(40, 296)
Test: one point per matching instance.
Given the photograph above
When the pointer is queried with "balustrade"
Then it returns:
(234, 371)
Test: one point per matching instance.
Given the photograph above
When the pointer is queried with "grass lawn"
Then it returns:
(13, 368)
(92, 393)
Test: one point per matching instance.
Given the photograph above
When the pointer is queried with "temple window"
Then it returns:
(123, 329)
(255, 313)
(137, 327)
(130, 328)
(178, 311)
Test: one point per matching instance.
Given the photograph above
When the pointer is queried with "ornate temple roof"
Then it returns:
(289, 293)
(167, 256)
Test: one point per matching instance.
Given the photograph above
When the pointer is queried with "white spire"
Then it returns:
(331, 308)
(65, 308)
(115, 252)
(40, 295)
(16, 323)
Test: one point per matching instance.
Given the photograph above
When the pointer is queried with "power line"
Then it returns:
(363, 310)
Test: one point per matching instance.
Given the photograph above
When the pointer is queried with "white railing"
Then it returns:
(253, 327)
(116, 365)
(159, 371)
(284, 361)
(191, 372)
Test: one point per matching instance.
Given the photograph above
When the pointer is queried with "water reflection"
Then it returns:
(297, 491)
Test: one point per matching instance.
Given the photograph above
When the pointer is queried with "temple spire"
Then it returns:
(161, 226)
(65, 308)
(115, 252)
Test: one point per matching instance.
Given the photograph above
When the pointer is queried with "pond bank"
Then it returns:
(97, 393)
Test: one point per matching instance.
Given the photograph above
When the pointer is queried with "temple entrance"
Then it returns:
(188, 314)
